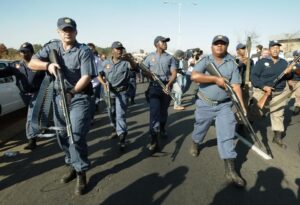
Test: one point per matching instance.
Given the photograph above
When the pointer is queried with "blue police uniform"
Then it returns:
(28, 82)
(117, 74)
(215, 104)
(161, 65)
(75, 62)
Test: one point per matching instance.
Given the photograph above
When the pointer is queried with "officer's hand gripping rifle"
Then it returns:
(291, 67)
(156, 79)
(60, 78)
(211, 68)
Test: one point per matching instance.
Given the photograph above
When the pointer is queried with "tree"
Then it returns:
(3, 50)
(37, 47)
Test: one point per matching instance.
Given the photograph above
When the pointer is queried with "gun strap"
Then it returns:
(41, 110)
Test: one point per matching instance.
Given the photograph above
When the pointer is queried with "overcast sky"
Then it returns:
(137, 23)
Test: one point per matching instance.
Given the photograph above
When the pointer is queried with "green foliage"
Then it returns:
(37, 47)
(106, 51)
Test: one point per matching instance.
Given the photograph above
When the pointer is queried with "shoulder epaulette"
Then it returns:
(51, 41)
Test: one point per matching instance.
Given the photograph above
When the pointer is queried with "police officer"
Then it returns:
(295, 85)
(264, 73)
(241, 60)
(28, 82)
(114, 76)
(165, 67)
(77, 66)
(215, 104)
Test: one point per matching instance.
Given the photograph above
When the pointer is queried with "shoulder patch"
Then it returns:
(51, 41)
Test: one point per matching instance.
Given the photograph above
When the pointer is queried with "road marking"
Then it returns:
(253, 147)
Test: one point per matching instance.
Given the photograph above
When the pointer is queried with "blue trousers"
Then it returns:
(225, 126)
(117, 114)
(159, 104)
(30, 133)
(75, 154)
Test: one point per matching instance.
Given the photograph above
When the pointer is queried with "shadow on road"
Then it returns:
(143, 190)
(268, 189)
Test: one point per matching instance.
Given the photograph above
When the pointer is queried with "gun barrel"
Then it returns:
(54, 59)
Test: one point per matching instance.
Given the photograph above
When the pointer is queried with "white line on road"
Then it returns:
(253, 147)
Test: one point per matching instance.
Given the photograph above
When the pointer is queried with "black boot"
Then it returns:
(31, 144)
(153, 146)
(194, 149)
(278, 139)
(231, 174)
(163, 132)
(132, 102)
(69, 175)
(122, 138)
(80, 183)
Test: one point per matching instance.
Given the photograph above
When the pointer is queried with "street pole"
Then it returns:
(179, 4)
(179, 26)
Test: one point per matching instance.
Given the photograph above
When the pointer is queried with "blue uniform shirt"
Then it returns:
(161, 65)
(265, 72)
(227, 68)
(116, 74)
(77, 61)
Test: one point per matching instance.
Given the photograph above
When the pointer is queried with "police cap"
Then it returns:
(240, 46)
(26, 47)
(65, 22)
(117, 44)
(274, 43)
(220, 38)
(161, 38)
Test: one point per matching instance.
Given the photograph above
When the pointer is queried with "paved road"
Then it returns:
(170, 177)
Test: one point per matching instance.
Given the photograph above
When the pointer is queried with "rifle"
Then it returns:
(60, 78)
(156, 79)
(291, 67)
(108, 99)
(211, 68)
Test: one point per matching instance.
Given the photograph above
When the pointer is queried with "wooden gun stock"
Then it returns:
(262, 101)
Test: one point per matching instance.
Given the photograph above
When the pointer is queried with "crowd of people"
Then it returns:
(90, 76)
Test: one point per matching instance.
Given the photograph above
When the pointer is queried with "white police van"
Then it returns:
(10, 99)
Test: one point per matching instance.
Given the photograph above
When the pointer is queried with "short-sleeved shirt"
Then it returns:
(227, 68)
(117, 74)
(161, 65)
(75, 62)
(265, 72)
(27, 80)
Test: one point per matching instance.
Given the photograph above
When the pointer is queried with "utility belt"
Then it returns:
(156, 84)
(88, 90)
(119, 89)
(211, 102)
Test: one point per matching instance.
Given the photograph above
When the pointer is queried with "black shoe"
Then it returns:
(31, 144)
(69, 175)
(277, 139)
(122, 138)
(296, 110)
(194, 149)
(153, 146)
(80, 183)
(231, 174)
(132, 102)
